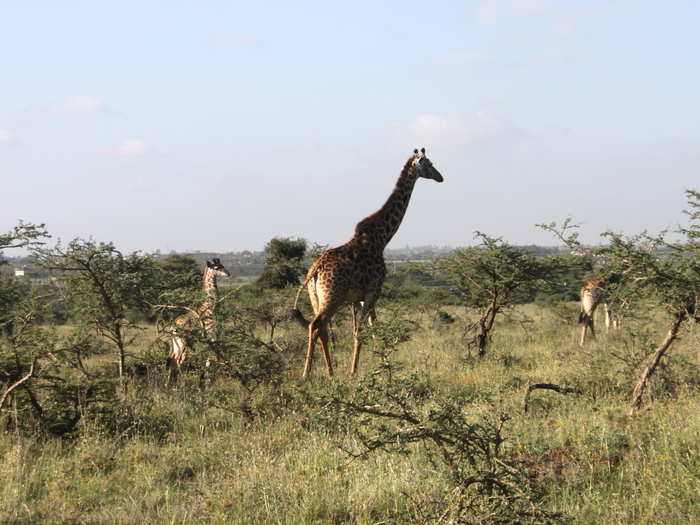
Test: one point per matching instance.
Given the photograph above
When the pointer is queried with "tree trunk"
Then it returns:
(654, 361)
(33, 400)
(120, 346)
(486, 325)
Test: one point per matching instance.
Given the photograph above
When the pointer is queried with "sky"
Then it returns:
(215, 126)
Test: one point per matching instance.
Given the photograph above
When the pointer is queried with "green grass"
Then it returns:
(219, 465)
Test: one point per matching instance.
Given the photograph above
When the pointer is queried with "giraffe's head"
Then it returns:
(215, 266)
(423, 167)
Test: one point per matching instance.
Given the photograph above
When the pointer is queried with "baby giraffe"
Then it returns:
(200, 319)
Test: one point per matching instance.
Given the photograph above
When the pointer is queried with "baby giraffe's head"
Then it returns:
(218, 268)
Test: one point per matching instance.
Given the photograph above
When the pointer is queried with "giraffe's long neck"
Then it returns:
(381, 226)
(210, 290)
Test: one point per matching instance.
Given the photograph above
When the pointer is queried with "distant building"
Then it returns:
(19, 272)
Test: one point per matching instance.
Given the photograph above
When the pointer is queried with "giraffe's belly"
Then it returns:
(337, 289)
(333, 289)
(588, 301)
(347, 274)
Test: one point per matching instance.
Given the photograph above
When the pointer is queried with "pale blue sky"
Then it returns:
(216, 125)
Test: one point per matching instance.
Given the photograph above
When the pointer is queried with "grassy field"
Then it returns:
(227, 455)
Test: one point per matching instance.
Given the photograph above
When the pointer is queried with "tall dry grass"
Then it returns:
(227, 455)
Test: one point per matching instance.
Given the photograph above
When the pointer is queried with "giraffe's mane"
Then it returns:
(407, 168)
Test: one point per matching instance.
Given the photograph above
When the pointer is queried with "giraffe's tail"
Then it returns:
(583, 313)
(585, 316)
(296, 313)
(299, 317)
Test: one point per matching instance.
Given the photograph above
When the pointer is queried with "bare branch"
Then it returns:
(19, 382)
(546, 386)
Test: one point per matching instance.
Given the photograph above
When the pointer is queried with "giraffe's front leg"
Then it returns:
(353, 312)
(372, 317)
(367, 312)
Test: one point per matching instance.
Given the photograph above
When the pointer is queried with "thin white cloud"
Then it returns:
(553, 32)
(132, 148)
(514, 56)
(237, 39)
(563, 29)
(465, 57)
(7, 137)
(491, 11)
(495, 10)
(430, 128)
(78, 104)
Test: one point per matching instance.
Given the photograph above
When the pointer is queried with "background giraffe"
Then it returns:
(201, 319)
(593, 293)
(354, 272)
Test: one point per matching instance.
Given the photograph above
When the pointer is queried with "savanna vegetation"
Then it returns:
(474, 402)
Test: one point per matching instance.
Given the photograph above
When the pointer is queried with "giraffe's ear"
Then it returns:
(422, 150)
(209, 264)
(415, 151)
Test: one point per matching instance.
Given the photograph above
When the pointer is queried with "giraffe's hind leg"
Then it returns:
(314, 332)
(313, 335)
(323, 335)
(178, 353)
(318, 329)
(587, 324)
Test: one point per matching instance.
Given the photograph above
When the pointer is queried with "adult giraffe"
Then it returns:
(201, 318)
(354, 272)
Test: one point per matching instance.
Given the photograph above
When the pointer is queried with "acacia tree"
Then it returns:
(104, 286)
(35, 363)
(652, 268)
(180, 285)
(47, 377)
(15, 368)
(492, 277)
(485, 481)
(666, 272)
(23, 235)
(18, 363)
(269, 308)
(283, 262)
(584, 263)
(180, 271)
